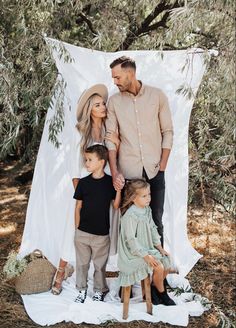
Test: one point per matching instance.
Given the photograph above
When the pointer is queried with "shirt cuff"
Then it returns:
(167, 140)
(110, 145)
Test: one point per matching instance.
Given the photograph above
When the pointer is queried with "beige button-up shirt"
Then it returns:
(145, 127)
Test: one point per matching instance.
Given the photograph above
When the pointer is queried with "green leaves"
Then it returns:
(56, 123)
(28, 73)
(211, 25)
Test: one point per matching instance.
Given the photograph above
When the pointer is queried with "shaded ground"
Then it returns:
(212, 233)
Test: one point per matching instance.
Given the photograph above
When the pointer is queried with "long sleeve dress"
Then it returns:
(138, 238)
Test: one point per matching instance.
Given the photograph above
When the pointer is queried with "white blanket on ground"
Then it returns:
(50, 221)
(47, 309)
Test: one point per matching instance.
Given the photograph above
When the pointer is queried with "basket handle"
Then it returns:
(37, 254)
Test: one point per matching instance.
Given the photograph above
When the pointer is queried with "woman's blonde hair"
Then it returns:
(84, 124)
(131, 189)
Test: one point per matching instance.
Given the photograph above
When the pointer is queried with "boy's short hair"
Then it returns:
(124, 62)
(100, 150)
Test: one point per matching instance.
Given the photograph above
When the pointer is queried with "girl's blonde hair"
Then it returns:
(84, 124)
(131, 189)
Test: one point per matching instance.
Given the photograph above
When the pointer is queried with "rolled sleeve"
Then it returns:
(110, 145)
(111, 123)
(165, 122)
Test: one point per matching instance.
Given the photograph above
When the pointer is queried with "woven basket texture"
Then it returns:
(36, 278)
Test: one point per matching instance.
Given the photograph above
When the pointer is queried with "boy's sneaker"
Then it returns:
(81, 296)
(98, 296)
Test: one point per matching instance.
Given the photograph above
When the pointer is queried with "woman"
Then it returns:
(91, 114)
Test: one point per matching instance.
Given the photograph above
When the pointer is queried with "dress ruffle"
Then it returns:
(126, 279)
(138, 233)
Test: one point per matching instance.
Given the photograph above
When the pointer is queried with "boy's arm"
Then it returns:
(78, 207)
(116, 202)
(75, 182)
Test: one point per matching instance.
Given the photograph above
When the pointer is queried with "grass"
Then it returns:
(212, 233)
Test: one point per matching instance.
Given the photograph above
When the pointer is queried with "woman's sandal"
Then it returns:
(64, 273)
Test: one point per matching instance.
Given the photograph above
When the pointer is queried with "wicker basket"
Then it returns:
(37, 277)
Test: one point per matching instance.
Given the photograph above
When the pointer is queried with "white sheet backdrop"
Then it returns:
(50, 207)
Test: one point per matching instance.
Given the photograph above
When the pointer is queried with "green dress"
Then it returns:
(138, 235)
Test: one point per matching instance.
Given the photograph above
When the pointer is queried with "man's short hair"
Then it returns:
(124, 62)
(100, 150)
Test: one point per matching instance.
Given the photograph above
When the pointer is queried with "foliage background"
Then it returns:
(28, 74)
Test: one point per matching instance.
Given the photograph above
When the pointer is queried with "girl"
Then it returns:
(139, 249)
(91, 114)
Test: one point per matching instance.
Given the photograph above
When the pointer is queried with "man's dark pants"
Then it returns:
(157, 185)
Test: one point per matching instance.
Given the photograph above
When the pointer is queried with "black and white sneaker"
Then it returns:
(98, 296)
(81, 296)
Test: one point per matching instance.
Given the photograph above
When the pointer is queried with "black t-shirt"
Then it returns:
(96, 195)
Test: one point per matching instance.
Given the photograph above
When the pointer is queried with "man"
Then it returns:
(141, 115)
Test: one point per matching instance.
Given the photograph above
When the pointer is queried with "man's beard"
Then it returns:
(122, 88)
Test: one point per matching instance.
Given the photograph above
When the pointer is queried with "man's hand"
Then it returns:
(118, 181)
(164, 159)
(151, 261)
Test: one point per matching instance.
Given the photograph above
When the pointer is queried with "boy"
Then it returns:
(94, 194)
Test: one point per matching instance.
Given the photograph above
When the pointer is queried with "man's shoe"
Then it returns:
(98, 296)
(154, 295)
(81, 296)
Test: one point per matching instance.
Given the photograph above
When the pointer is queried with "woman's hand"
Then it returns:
(113, 137)
(151, 261)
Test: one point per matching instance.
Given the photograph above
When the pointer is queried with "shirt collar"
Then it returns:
(141, 91)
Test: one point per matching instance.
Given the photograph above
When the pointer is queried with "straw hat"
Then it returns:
(99, 89)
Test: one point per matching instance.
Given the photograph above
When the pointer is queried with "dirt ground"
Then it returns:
(212, 233)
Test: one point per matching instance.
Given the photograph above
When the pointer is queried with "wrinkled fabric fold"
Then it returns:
(50, 213)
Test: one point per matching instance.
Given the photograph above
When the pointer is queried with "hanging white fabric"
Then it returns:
(49, 218)
(49, 224)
